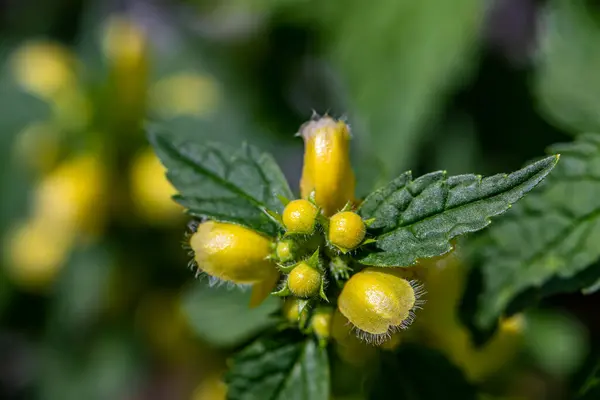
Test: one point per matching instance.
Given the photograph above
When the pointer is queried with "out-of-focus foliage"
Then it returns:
(559, 224)
(566, 79)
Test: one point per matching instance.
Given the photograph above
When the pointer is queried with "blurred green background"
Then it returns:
(96, 301)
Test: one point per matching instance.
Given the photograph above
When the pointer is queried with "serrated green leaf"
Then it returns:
(549, 242)
(566, 78)
(220, 183)
(222, 316)
(284, 366)
(408, 375)
(419, 217)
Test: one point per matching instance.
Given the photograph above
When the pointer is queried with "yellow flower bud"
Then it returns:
(321, 323)
(327, 171)
(304, 281)
(377, 301)
(284, 251)
(346, 230)
(232, 253)
(300, 216)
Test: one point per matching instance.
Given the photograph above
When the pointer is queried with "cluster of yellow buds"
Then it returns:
(312, 258)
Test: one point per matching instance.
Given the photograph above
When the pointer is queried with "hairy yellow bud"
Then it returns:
(377, 301)
(327, 171)
(300, 216)
(232, 253)
(304, 281)
(346, 230)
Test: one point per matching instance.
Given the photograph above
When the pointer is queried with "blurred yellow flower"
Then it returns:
(184, 94)
(47, 70)
(44, 68)
(124, 43)
(67, 206)
(347, 345)
(211, 388)
(37, 146)
(72, 196)
(151, 191)
(35, 253)
(160, 317)
(439, 325)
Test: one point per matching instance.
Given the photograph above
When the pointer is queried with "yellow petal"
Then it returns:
(232, 253)
(262, 289)
(327, 171)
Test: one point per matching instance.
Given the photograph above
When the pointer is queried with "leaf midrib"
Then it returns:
(211, 175)
(433, 215)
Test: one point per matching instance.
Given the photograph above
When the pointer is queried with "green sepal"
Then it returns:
(275, 217)
(286, 269)
(314, 260)
(368, 241)
(322, 290)
(339, 269)
(284, 200)
(370, 221)
(347, 207)
(283, 292)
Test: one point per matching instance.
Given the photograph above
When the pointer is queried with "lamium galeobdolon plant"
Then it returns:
(341, 265)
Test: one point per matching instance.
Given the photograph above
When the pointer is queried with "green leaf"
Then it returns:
(222, 184)
(415, 373)
(419, 217)
(566, 80)
(284, 366)
(543, 330)
(398, 70)
(549, 242)
(222, 316)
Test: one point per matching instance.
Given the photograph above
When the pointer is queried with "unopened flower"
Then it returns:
(378, 302)
(232, 253)
(304, 281)
(300, 216)
(327, 171)
(346, 230)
